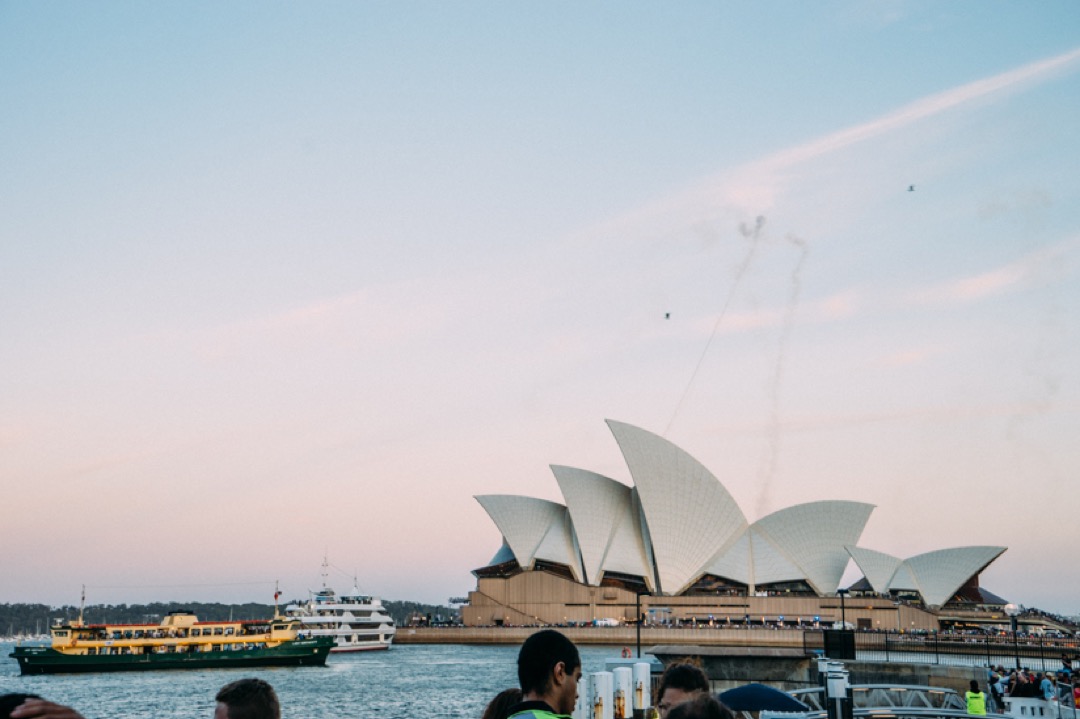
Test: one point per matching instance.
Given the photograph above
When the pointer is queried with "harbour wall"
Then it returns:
(607, 636)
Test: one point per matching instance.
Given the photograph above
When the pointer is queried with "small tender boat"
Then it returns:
(180, 641)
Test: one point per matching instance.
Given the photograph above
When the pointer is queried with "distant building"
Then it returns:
(677, 546)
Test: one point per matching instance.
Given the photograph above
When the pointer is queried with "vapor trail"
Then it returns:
(768, 469)
(754, 235)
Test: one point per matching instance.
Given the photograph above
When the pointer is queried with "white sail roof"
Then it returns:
(605, 522)
(559, 545)
(523, 521)
(904, 579)
(935, 575)
(770, 563)
(940, 573)
(813, 536)
(877, 567)
(691, 516)
(734, 562)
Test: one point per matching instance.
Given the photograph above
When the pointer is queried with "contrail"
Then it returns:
(728, 187)
(768, 469)
(924, 108)
(753, 234)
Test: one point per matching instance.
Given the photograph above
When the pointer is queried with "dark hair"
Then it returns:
(974, 687)
(499, 707)
(705, 706)
(538, 657)
(685, 676)
(250, 699)
(10, 701)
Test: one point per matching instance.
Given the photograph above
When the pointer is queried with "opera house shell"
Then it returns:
(678, 543)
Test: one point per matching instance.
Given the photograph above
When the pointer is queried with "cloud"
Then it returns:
(1039, 266)
(381, 315)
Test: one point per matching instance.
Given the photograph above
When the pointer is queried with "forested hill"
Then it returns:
(28, 619)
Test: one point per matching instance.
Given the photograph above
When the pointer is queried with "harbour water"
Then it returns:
(406, 681)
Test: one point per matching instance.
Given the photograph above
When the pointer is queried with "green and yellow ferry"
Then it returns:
(180, 641)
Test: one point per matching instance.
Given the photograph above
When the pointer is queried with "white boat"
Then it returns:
(357, 621)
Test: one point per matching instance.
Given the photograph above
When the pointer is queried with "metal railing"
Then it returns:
(1037, 653)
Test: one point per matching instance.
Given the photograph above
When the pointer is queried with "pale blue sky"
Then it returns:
(280, 279)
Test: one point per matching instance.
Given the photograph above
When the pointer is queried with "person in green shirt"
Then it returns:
(549, 668)
(976, 700)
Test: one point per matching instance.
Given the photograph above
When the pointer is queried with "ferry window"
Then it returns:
(91, 650)
(61, 634)
(229, 631)
(196, 632)
(218, 630)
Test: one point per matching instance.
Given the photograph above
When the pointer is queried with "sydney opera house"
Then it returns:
(677, 548)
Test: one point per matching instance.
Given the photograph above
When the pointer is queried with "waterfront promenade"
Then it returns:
(1040, 653)
(623, 636)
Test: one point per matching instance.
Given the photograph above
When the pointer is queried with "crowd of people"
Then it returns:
(1027, 684)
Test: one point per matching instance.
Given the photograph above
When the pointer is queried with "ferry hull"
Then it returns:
(339, 649)
(46, 660)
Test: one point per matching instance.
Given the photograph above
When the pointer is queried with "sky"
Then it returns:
(286, 281)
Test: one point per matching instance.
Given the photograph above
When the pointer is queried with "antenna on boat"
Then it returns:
(277, 593)
(82, 604)
(325, 569)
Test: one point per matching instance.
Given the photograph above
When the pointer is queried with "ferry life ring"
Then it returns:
(625, 652)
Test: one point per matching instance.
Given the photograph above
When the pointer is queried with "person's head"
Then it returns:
(974, 686)
(499, 707)
(548, 669)
(247, 699)
(702, 706)
(680, 683)
(10, 701)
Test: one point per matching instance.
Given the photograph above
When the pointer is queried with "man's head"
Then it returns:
(247, 699)
(548, 669)
(680, 683)
(702, 706)
(9, 701)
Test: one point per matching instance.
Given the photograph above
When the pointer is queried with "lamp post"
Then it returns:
(1012, 610)
(637, 608)
(843, 614)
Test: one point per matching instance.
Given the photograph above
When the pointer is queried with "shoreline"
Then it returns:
(607, 636)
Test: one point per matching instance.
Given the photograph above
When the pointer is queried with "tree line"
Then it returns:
(32, 619)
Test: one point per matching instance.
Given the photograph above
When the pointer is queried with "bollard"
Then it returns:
(582, 705)
(602, 695)
(623, 680)
(642, 688)
(838, 692)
